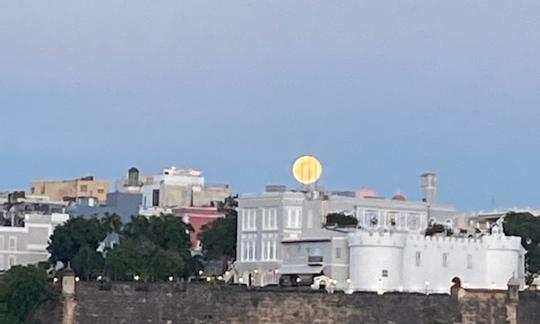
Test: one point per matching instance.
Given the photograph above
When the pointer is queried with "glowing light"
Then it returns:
(220, 278)
(136, 277)
(241, 280)
(55, 280)
(200, 272)
(99, 278)
(348, 280)
(307, 169)
(208, 279)
(77, 279)
(276, 271)
(171, 278)
(298, 279)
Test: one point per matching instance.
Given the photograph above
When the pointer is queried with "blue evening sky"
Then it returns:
(378, 90)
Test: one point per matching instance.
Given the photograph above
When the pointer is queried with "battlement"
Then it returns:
(398, 239)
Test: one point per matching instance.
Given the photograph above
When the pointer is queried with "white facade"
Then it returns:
(386, 261)
(282, 234)
(28, 244)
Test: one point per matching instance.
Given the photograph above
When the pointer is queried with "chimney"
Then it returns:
(429, 187)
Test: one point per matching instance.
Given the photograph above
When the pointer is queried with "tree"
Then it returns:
(68, 238)
(23, 288)
(218, 238)
(341, 220)
(88, 263)
(153, 248)
(526, 226)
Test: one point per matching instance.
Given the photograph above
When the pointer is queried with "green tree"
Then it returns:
(153, 248)
(68, 238)
(526, 226)
(88, 263)
(22, 288)
(218, 239)
(341, 220)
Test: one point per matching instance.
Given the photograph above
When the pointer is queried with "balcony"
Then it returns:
(315, 260)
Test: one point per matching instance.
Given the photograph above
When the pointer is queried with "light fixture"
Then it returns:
(208, 279)
(298, 279)
(171, 278)
(220, 278)
(55, 280)
(348, 280)
(136, 277)
(241, 280)
(99, 278)
(201, 272)
(77, 279)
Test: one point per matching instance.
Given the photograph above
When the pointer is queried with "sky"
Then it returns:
(379, 91)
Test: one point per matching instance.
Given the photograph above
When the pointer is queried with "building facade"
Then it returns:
(175, 188)
(282, 235)
(70, 190)
(27, 224)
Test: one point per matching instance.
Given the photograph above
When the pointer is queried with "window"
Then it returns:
(84, 188)
(155, 197)
(268, 248)
(2, 246)
(338, 253)
(385, 273)
(269, 217)
(413, 221)
(418, 258)
(100, 191)
(392, 219)
(469, 261)
(445, 260)
(294, 218)
(371, 217)
(12, 261)
(249, 219)
(12, 243)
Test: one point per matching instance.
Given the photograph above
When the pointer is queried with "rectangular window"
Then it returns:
(84, 188)
(445, 260)
(2, 246)
(371, 217)
(413, 221)
(155, 197)
(385, 273)
(12, 261)
(469, 261)
(338, 253)
(418, 258)
(12, 243)
(101, 191)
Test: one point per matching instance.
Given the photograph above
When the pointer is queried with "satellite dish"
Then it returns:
(307, 169)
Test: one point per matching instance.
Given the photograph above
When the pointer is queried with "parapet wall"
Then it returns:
(202, 303)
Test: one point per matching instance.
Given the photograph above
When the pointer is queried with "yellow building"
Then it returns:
(67, 190)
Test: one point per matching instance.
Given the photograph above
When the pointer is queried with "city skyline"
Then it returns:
(378, 92)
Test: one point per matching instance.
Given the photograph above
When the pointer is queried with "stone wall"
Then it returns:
(205, 303)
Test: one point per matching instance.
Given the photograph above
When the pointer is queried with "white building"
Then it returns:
(281, 235)
(397, 261)
(27, 224)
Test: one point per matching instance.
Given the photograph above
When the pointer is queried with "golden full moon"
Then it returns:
(307, 169)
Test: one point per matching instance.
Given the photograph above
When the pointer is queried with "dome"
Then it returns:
(399, 196)
(366, 192)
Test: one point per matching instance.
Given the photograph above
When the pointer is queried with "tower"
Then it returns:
(429, 187)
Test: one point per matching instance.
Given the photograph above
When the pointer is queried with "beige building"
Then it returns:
(67, 190)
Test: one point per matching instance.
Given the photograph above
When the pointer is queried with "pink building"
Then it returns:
(197, 217)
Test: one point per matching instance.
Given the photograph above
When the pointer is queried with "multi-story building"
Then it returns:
(27, 224)
(283, 235)
(70, 190)
(197, 217)
(175, 188)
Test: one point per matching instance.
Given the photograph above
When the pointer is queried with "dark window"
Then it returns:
(84, 188)
(385, 273)
(100, 191)
(155, 197)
